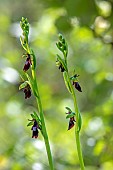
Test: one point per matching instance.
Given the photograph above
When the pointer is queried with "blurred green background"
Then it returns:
(88, 28)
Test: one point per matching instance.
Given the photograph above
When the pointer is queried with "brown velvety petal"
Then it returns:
(61, 68)
(27, 93)
(27, 63)
(71, 124)
(35, 134)
(77, 86)
(35, 129)
(26, 66)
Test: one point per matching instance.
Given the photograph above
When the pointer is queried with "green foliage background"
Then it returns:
(88, 28)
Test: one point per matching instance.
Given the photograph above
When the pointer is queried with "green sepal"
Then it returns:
(68, 109)
(24, 55)
(70, 115)
(60, 36)
(62, 62)
(66, 81)
(33, 116)
(30, 123)
(74, 78)
(63, 41)
(79, 122)
(60, 47)
(23, 85)
(37, 117)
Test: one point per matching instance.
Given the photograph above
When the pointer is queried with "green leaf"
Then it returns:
(62, 62)
(70, 115)
(30, 123)
(79, 122)
(66, 81)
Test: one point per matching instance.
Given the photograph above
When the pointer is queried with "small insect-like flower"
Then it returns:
(70, 115)
(27, 91)
(75, 82)
(77, 86)
(60, 66)
(34, 129)
(36, 126)
(71, 122)
(28, 62)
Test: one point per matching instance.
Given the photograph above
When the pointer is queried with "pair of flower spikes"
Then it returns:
(27, 91)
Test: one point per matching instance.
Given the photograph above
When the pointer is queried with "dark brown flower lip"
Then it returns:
(61, 68)
(77, 86)
(28, 63)
(71, 124)
(27, 91)
(34, 129)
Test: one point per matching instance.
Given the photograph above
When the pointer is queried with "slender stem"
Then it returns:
(77, 133)
(44, 131)
(24, 41)
(79, 150)
(70, 88)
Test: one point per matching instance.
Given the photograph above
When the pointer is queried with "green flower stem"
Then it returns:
(33, 82)
(77, 126)
(44, 131)
(62, 43)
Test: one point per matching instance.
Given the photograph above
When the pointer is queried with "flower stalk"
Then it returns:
(30, 63)
(70, 83)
